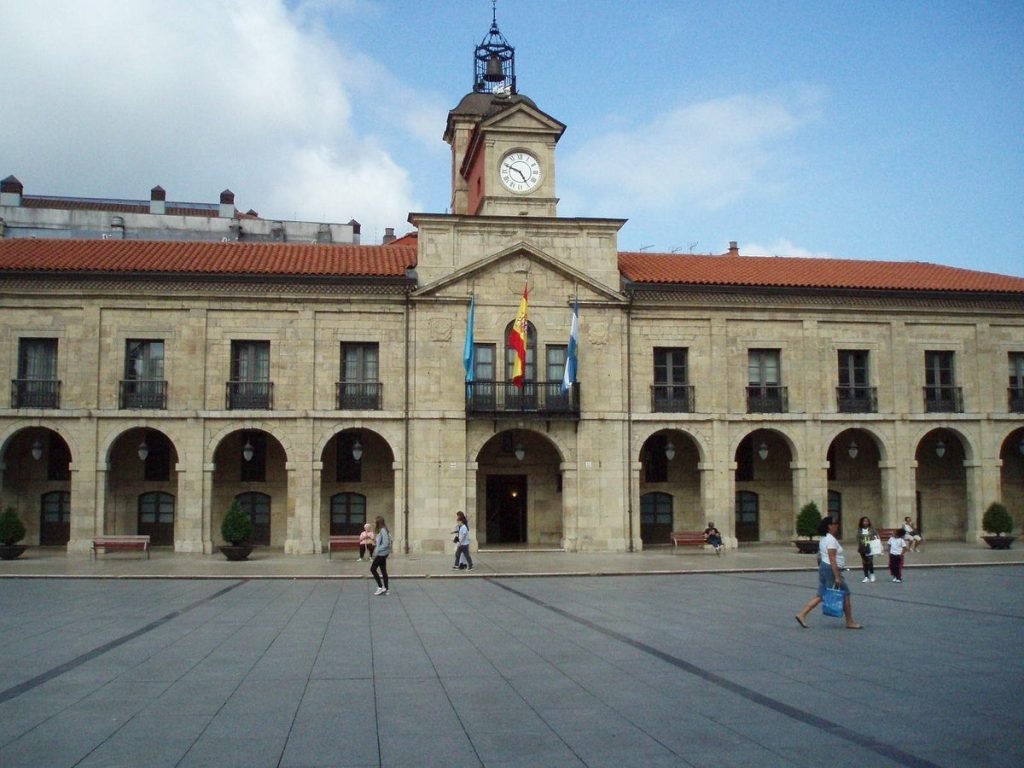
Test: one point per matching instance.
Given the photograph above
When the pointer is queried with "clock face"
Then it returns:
(520, 172)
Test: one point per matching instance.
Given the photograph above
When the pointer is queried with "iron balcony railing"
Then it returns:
(538, 398)
(767, 398)
(943, 399)
(365, 396)
(143, 393)
(250, 395)
(857, 399)
(35, 393)
(1015, 396)
(672, 398)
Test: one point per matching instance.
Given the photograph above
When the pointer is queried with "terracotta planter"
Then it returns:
(11, 551)
(806, 546)
(236, 551)
(999, 542)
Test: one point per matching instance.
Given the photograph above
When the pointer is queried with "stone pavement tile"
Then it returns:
(335, 725)
(415, 717)
(193, 695)
(62, 740)
(240, 739)
(156, 740)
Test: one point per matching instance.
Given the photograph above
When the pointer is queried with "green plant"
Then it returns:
(997, 519)
(808, 520)
(236, 528)
(12, 530)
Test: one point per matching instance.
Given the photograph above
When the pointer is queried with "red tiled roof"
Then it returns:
(790, 272)
(113, 256)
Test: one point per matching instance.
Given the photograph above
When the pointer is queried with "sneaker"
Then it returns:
(865, 580)
(385, 591)
(894, 580)
(471, 567)
(380, 591)
(872, 577)
(359, 559)
(897, 581)
(455, 567)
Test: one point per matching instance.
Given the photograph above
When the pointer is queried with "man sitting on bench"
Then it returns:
(713, 537)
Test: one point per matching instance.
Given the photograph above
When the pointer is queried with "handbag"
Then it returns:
(875, 546)
(832, 602)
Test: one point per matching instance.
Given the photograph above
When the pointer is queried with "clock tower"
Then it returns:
(503, 146)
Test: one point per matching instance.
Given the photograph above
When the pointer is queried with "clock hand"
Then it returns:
(521, 174)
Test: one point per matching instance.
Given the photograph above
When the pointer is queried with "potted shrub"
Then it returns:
(807, 523)
(997, 521)
(12, 530)
(236, 530)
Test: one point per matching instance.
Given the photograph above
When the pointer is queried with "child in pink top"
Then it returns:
(367, 541)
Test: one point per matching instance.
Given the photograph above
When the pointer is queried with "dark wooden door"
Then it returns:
(55, 518)
(506, 509)
(156, 518)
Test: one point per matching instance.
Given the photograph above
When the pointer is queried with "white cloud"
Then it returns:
(709, 154)
(112, 98)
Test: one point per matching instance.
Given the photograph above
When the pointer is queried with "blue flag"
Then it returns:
(469, 352)
(574, 338)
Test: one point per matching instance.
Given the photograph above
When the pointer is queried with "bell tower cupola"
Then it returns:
(503, 146)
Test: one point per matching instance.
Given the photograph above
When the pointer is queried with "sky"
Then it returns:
(873, 130)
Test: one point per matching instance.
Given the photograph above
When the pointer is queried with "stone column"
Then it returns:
(299, 531)
(316, 500)
(570, 506)
(208, 536)
(88, 505)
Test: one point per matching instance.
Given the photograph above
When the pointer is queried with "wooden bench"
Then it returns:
(341, 542)
(128, 542)
(687, 538)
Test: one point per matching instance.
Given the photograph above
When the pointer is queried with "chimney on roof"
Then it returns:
(10, 191)
(389, 235)
(227, 204)
(734, 249)
(157, 200)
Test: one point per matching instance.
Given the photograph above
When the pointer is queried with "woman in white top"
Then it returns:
(830, 572)
(911, 535)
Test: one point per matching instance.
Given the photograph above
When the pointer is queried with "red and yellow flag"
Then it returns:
(517, 341)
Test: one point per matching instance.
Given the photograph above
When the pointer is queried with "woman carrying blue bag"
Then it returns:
(831, 562)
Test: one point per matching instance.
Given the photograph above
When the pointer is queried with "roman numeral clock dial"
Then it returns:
(520, 172)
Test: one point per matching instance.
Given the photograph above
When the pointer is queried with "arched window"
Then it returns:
(257, 507)
(348, 514)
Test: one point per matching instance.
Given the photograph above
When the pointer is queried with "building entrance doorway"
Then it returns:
(506, 509)
(748, 513)
(55, 519)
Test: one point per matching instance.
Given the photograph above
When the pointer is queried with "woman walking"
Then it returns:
(379, 566)
(462, 541)
(865, 534)
(830, 572)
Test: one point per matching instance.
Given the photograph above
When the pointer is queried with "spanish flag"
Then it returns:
(517, 342)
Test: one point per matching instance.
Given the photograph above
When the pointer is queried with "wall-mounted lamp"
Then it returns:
(940, 449)
(37, 450)
(357, 450)
(143, 450)
(670, 451)
(762, 451)
(248, 451)
(853, 450)
(519, 451)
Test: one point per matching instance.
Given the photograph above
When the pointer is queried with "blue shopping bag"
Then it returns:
(832, 603)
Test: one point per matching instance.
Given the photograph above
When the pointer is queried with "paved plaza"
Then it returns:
(700, 665)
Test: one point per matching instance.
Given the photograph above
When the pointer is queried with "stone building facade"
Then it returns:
(153, 383)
